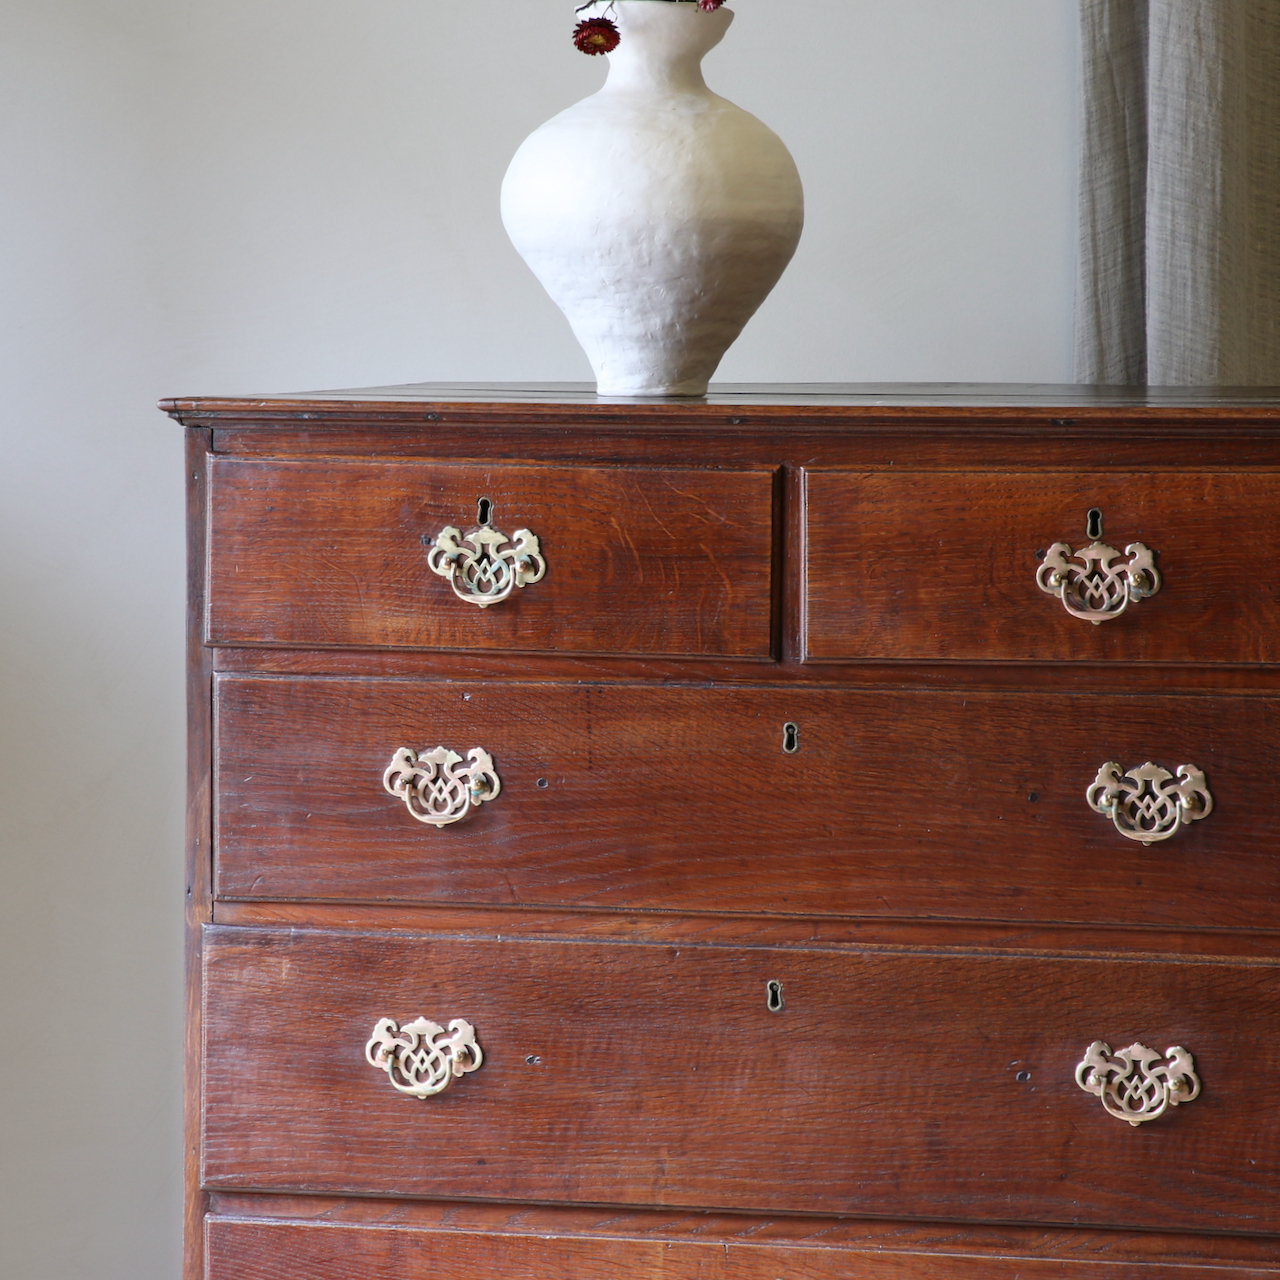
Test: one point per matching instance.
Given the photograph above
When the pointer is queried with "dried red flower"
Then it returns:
(709, 6)
(596, 35)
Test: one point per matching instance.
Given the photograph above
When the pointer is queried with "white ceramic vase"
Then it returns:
(656, 214)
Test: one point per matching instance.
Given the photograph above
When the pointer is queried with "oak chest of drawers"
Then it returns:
(812, 832)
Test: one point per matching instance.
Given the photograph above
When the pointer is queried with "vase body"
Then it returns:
(656, 214)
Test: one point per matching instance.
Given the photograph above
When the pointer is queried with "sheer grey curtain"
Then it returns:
(1180, 193)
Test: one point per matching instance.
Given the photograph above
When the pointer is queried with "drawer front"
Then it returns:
(888, 1085)
(942, 565)
(276, 1250)
(895, 804)
(331, 553)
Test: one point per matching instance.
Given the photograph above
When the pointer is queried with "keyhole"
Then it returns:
(773, 996)
(790, 738)
(484, 509)
(1093, 525)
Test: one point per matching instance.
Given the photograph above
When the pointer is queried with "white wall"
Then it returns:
(241, 195)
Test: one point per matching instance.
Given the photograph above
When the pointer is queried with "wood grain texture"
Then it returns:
(255, 1250)
(852, 1236)
(760, 930)
(199, 842)
(896, 805)
(1026, 443)
(638, 560)
(891, 1085)
(1080, 677)
(926, 566)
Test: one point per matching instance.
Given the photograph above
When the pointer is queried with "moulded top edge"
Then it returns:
(949, 397)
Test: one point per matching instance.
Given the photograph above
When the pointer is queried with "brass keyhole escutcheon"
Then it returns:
(790, 738)
(773, 996)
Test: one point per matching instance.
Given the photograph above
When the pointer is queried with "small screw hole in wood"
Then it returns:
(1093, 528)
(1023, 1076)
(542, 782)
(790, 738)
(773, 996)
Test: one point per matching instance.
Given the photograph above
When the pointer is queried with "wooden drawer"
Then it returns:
(896, 804)
(942, 565)
(330, 553)
(258, 1249)
(890, 1084)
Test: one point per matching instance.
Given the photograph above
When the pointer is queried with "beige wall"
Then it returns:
(239, 195)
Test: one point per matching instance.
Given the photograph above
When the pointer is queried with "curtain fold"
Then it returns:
(1179, 193)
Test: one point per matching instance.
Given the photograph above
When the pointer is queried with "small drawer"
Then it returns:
(340, 553)
(930, 566)
(886, 1084)
(891, 804)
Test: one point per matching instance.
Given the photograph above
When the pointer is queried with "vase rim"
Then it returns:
(662, 40)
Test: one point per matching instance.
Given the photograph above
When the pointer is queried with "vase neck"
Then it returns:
(663, 44)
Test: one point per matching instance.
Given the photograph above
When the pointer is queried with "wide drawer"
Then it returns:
(267, 1249)
(943, 565)
(889, 1084)
(637, 561)
(894, 803)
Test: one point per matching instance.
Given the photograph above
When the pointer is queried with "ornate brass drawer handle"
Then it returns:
(435, 790)
(1134, 1084)
(1094, 587)
(486, 566)
(420, 1059)
(1146, 804)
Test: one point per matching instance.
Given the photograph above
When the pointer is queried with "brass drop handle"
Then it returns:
(1097, 589)
(485, 566)
(435, 790)
(1136, 1084)
(1146, 803)
(1089, 582)
(422, 1058)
